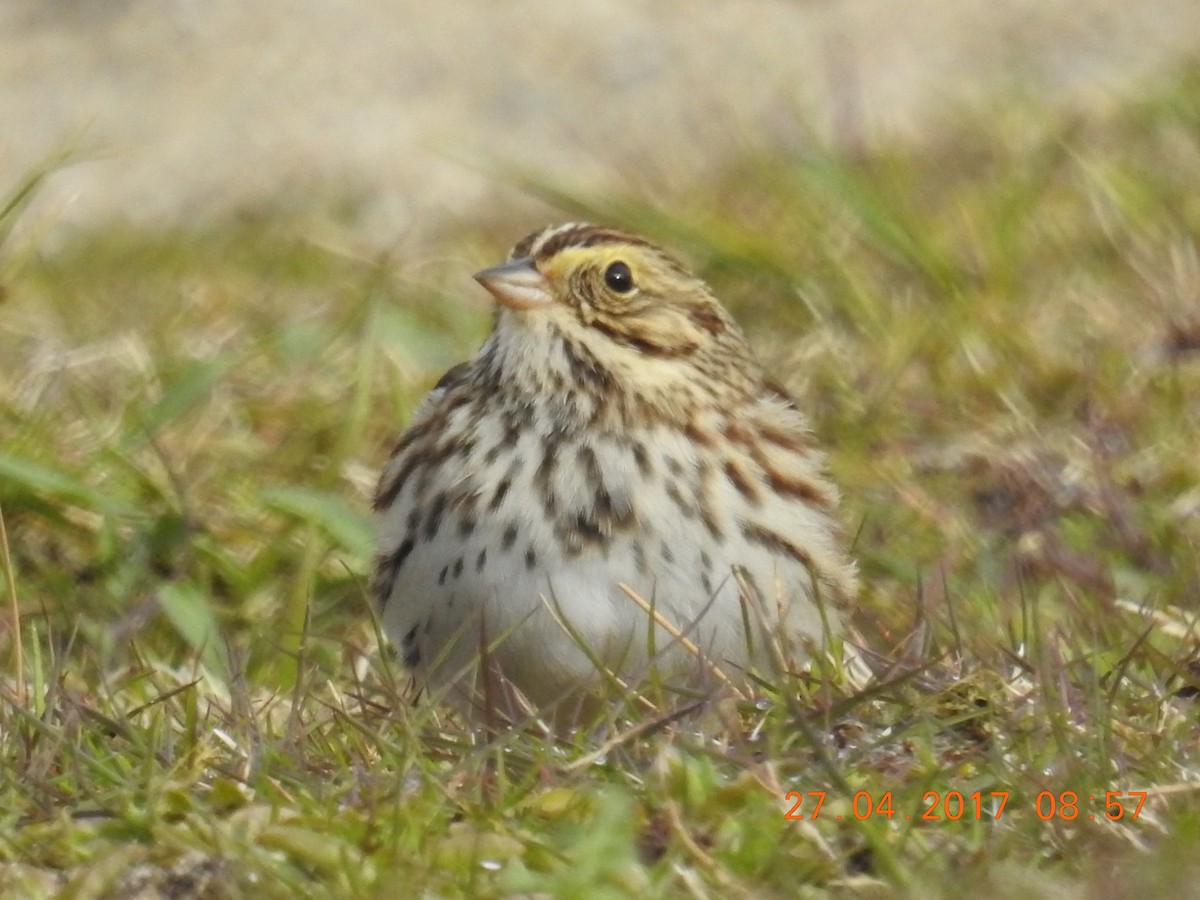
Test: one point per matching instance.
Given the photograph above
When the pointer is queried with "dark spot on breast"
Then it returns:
(707, 502)
(458, 446)
(530, 558)
(481, 560)
(590, 465)
(688, 510)
(410, 649)
(589, 528)
(639, 558)
(542, 477)
(458, 568)
(512, 432)
(467, 521)
(388, 567)
(406, 440)
(742, 481)
(500, 493)
(545, 469)
(433, 520)
(641, 458)
(386, 494)
(602, 506)
(607, 514)
(708, 516)
(509, 538)
(522, 415)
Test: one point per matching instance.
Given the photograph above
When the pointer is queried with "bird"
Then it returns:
(610, 488)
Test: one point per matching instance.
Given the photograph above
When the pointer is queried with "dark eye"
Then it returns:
(618, 277)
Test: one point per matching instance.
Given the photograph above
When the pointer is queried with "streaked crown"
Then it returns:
(620, 287)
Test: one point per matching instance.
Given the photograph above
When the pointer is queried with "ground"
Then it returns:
(972, 253)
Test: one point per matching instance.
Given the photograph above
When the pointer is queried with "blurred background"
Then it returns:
(402, 114)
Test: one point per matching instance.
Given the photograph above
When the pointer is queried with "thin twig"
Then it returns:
(11, 578)
(684, 641)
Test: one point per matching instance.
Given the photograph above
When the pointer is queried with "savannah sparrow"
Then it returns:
(613, 438)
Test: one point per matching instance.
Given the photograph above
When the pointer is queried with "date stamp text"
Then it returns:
(939, 806)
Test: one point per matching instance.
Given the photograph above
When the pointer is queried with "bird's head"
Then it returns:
(636, 311)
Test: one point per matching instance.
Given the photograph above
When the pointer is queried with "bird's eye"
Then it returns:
(618, 277)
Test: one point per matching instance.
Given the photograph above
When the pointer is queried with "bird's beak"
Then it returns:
(517, 284)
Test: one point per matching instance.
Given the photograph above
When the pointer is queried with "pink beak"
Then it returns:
(517, 284)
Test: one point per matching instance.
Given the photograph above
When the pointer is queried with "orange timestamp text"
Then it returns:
(938, 806)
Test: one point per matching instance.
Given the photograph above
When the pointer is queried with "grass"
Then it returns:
(997, 334)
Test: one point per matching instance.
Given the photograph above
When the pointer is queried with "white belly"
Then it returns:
(512, 583)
